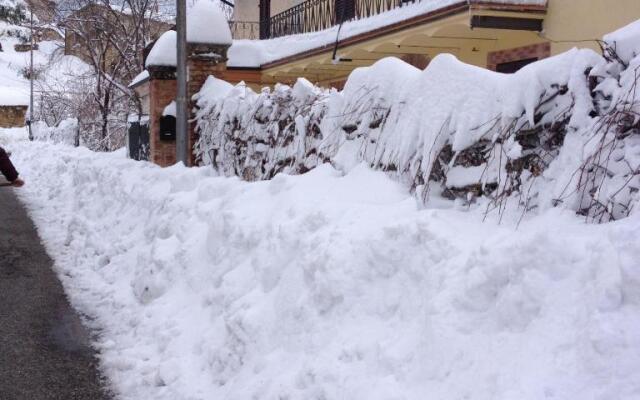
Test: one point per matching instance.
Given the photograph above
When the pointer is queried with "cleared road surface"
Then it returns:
(44, 349)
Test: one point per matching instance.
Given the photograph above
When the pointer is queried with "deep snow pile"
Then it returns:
(330, 286)
(561, 131)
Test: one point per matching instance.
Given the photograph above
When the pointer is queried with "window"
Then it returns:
(513, 66)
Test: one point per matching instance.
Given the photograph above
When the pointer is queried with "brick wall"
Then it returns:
(11, 116)
(419, 61)
(162, 91)
(539, 51)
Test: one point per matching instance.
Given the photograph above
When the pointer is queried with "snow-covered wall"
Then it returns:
(560, 131)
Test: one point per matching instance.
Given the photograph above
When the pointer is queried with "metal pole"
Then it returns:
(182, 116)
(30, 120)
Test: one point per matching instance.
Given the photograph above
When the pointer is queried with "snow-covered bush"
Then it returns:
(12, 11)
(606, 183)
(257, 136)
(460, 126)
(66, 132)
(12, 17)
(561, 131)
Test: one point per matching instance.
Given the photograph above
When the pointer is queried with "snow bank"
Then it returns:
(9, 136)
(330, 286)
(65, 132)
(14, 96)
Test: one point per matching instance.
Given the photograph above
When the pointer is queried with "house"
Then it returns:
(84, 29)
(14, 103)
(251, 13)
(325, 40)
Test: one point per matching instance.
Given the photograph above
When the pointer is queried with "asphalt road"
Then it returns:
(44, 348)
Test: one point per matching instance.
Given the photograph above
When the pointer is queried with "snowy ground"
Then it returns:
(323, 286)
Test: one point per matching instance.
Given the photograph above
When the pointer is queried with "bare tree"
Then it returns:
(111, 38)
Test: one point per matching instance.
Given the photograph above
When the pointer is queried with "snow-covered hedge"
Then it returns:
(12, 11)
(65, 132)
(561, 131)
(256, 136)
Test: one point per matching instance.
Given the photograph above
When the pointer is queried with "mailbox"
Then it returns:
(168, 127)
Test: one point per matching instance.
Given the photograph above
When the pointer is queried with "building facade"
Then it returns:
(500, 35)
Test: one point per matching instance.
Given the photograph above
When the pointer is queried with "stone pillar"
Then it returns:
(203, 60)
(162, 91)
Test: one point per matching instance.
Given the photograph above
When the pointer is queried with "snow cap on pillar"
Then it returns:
(208, 32)
(163, 52)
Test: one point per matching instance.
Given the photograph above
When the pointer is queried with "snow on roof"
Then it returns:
(518, 2)
(163, 53)
(207, 24)
(254, 53)
(170, 110)
(14, 96)
(213, 89)
(141, 77)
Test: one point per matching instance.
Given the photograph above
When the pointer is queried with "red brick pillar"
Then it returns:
(534, 51)
(162, 91)
(203, 60)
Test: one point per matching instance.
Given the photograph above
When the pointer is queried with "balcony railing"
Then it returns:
(244, 29)
(316, 15)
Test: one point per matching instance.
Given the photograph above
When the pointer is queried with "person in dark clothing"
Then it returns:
(8, 170)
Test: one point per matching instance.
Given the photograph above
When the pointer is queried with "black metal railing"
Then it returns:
(244, 29)
(316, 15)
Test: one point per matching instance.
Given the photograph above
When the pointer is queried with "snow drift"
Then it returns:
(330, 286)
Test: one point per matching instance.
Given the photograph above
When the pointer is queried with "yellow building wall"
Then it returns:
(566, 24)
(578, 23)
